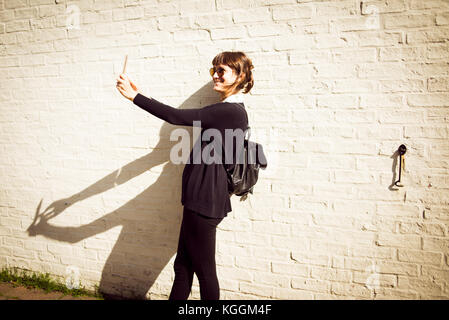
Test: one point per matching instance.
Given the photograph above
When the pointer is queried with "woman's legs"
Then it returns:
(196, 253)
(183, 268)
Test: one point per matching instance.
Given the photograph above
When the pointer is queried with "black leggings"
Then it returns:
(196, 254)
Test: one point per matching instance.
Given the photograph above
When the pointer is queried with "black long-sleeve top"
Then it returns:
(204, 186)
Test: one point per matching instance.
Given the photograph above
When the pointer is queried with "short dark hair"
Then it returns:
(240, 63)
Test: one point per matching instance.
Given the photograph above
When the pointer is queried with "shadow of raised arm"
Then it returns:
(40, 226)
(159, 155)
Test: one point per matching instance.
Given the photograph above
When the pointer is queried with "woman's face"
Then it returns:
(223, 76)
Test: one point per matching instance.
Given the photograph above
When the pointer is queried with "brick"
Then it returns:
(292, 242)
(273, 280)
(257, 289)
(354, 176)
(438, 84)
(13, 4)
(9, 61)
(354, 264)
(254, 15)
(233, 250)
(378, 6)
(298, 188)
(431, 196)
(107, 5)
(331, 274)
(344, 192)
(355, 116)
(235, 274)
(290, 216)
(310, 285)
(324, 41)
(431, 35)
(314, 258)
(312, 145)
(333, 162)
(409, 21)
(275, 254)
(442, 19)
(379, 38)
(191, 35)
(267, 29)
(317, 25)
(435, 244)
(401, 240)
(395, 294)
(290, 269)
(381, 101)
(289, 42)
(330, 131)
(17, 25)
(51, 10)
(373, 252)
(437, 51)
(428, 100)
(289, 294)
(25, 13)
(353, 86)
(335, 71)
(235, 32)
(424, 285)
(307, 57)
(293, 12)
(217, 20)
(96, 17)
(196, 6)
(271, 227)
(170, 23)
(402, 54)
(436, 273)
(293, 73)
(356, 290)
(422, 228)
(327, 246)
(397, 86)
(352, 24)
(335, 9)
(257, 45)
(398, 117)
(436, 116)
(419, 256)
(429, 4)
(312, 87)
(369, 278)
(357, 55)
(128, 13)
(383, 71)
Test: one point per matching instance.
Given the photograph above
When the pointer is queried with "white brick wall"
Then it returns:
(339, 85)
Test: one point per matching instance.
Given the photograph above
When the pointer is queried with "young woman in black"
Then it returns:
(205, 194)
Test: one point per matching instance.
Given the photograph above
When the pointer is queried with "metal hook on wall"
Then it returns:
(401, 150)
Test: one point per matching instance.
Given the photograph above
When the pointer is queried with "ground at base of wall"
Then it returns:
(9, 291)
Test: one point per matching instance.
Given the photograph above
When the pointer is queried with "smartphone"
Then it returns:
(124, 66)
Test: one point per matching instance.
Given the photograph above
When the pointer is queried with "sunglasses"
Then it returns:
(220, 71)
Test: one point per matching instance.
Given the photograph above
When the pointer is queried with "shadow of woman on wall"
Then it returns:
(150, 222)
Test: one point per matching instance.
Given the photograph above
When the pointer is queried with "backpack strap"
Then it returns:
(247, 132)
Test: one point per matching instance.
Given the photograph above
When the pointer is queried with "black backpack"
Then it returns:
(243, 175)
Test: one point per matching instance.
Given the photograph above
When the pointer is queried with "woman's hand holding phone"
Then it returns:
(126, 87)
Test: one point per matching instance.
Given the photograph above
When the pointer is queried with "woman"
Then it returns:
(205, 194)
